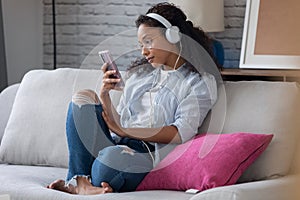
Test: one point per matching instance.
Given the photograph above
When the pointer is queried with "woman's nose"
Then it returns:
(145, 51)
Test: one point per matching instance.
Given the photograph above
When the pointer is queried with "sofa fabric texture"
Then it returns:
(34, 142)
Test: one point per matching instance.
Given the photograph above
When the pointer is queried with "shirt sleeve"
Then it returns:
(194, 107)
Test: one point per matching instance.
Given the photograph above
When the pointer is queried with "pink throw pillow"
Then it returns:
(207, 161)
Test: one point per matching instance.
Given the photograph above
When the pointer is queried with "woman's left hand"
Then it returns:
(112, 124)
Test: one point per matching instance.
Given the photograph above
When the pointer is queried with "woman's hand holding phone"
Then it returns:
(111, 72)
(108, 83)
(111, 79)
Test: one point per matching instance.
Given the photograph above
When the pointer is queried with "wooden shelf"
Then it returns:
(282, 75)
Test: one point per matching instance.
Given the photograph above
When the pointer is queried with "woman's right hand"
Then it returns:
(107, 82)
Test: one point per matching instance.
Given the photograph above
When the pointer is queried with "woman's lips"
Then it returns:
(150, 59)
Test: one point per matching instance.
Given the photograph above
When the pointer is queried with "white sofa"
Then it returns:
(32, 124)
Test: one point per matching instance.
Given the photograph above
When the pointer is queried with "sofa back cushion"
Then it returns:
(269, 108)
(35, 132)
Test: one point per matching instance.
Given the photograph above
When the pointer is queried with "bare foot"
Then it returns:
(84, 187)
(60, 185)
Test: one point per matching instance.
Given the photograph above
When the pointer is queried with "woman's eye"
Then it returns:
(148, 42)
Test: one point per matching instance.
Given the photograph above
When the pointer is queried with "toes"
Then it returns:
(60, 185)
(56, 184)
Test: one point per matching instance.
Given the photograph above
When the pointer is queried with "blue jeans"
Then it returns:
(94, 153)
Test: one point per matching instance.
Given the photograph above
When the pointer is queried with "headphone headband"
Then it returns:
(172, 32)
(160, 18)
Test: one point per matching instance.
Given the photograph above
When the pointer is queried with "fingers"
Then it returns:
(106, 187)
(107, 80)
(104, 184)
(108, 73)
(118, 88)
(104, 67)
(109, 83)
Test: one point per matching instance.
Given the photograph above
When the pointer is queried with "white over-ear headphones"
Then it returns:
(172, 33)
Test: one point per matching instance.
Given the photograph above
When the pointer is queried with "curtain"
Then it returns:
(3, 71)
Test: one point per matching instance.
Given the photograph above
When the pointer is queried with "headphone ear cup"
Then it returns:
(173, 34)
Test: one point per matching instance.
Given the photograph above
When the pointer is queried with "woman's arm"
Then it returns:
(165, 134)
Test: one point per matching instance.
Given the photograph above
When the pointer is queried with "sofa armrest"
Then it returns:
(275, 189)
(7, 97)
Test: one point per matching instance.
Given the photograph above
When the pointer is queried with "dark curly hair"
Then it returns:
(177, 18)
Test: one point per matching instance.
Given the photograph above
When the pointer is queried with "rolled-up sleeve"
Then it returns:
(194, 107)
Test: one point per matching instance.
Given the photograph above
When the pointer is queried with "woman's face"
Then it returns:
(154, 46)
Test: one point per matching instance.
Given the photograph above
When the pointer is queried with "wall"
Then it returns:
(83, 24)
(23, 34)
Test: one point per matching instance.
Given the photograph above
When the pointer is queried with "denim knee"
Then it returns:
(84, 97)
(122, 170)
(87, 133)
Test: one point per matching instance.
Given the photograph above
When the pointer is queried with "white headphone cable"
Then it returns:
(149, 152)
(151, 104)
(180, 49)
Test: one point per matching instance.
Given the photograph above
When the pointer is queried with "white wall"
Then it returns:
(23, 34)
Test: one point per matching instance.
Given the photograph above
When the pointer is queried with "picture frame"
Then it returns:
(271, 35)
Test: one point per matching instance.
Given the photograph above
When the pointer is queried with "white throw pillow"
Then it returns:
(35, 132)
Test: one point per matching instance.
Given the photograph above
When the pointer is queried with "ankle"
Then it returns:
(83, 181)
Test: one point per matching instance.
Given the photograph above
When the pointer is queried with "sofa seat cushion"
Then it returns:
(284, 188)
(29, 182)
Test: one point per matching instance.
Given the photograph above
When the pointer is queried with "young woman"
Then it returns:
(164, 101)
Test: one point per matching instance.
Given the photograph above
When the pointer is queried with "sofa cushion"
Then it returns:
(35, 132)
(265, 107)
(195, 165)
(7, 97)
(29, 183)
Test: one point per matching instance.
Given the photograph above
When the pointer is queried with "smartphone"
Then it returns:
(106, 58)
